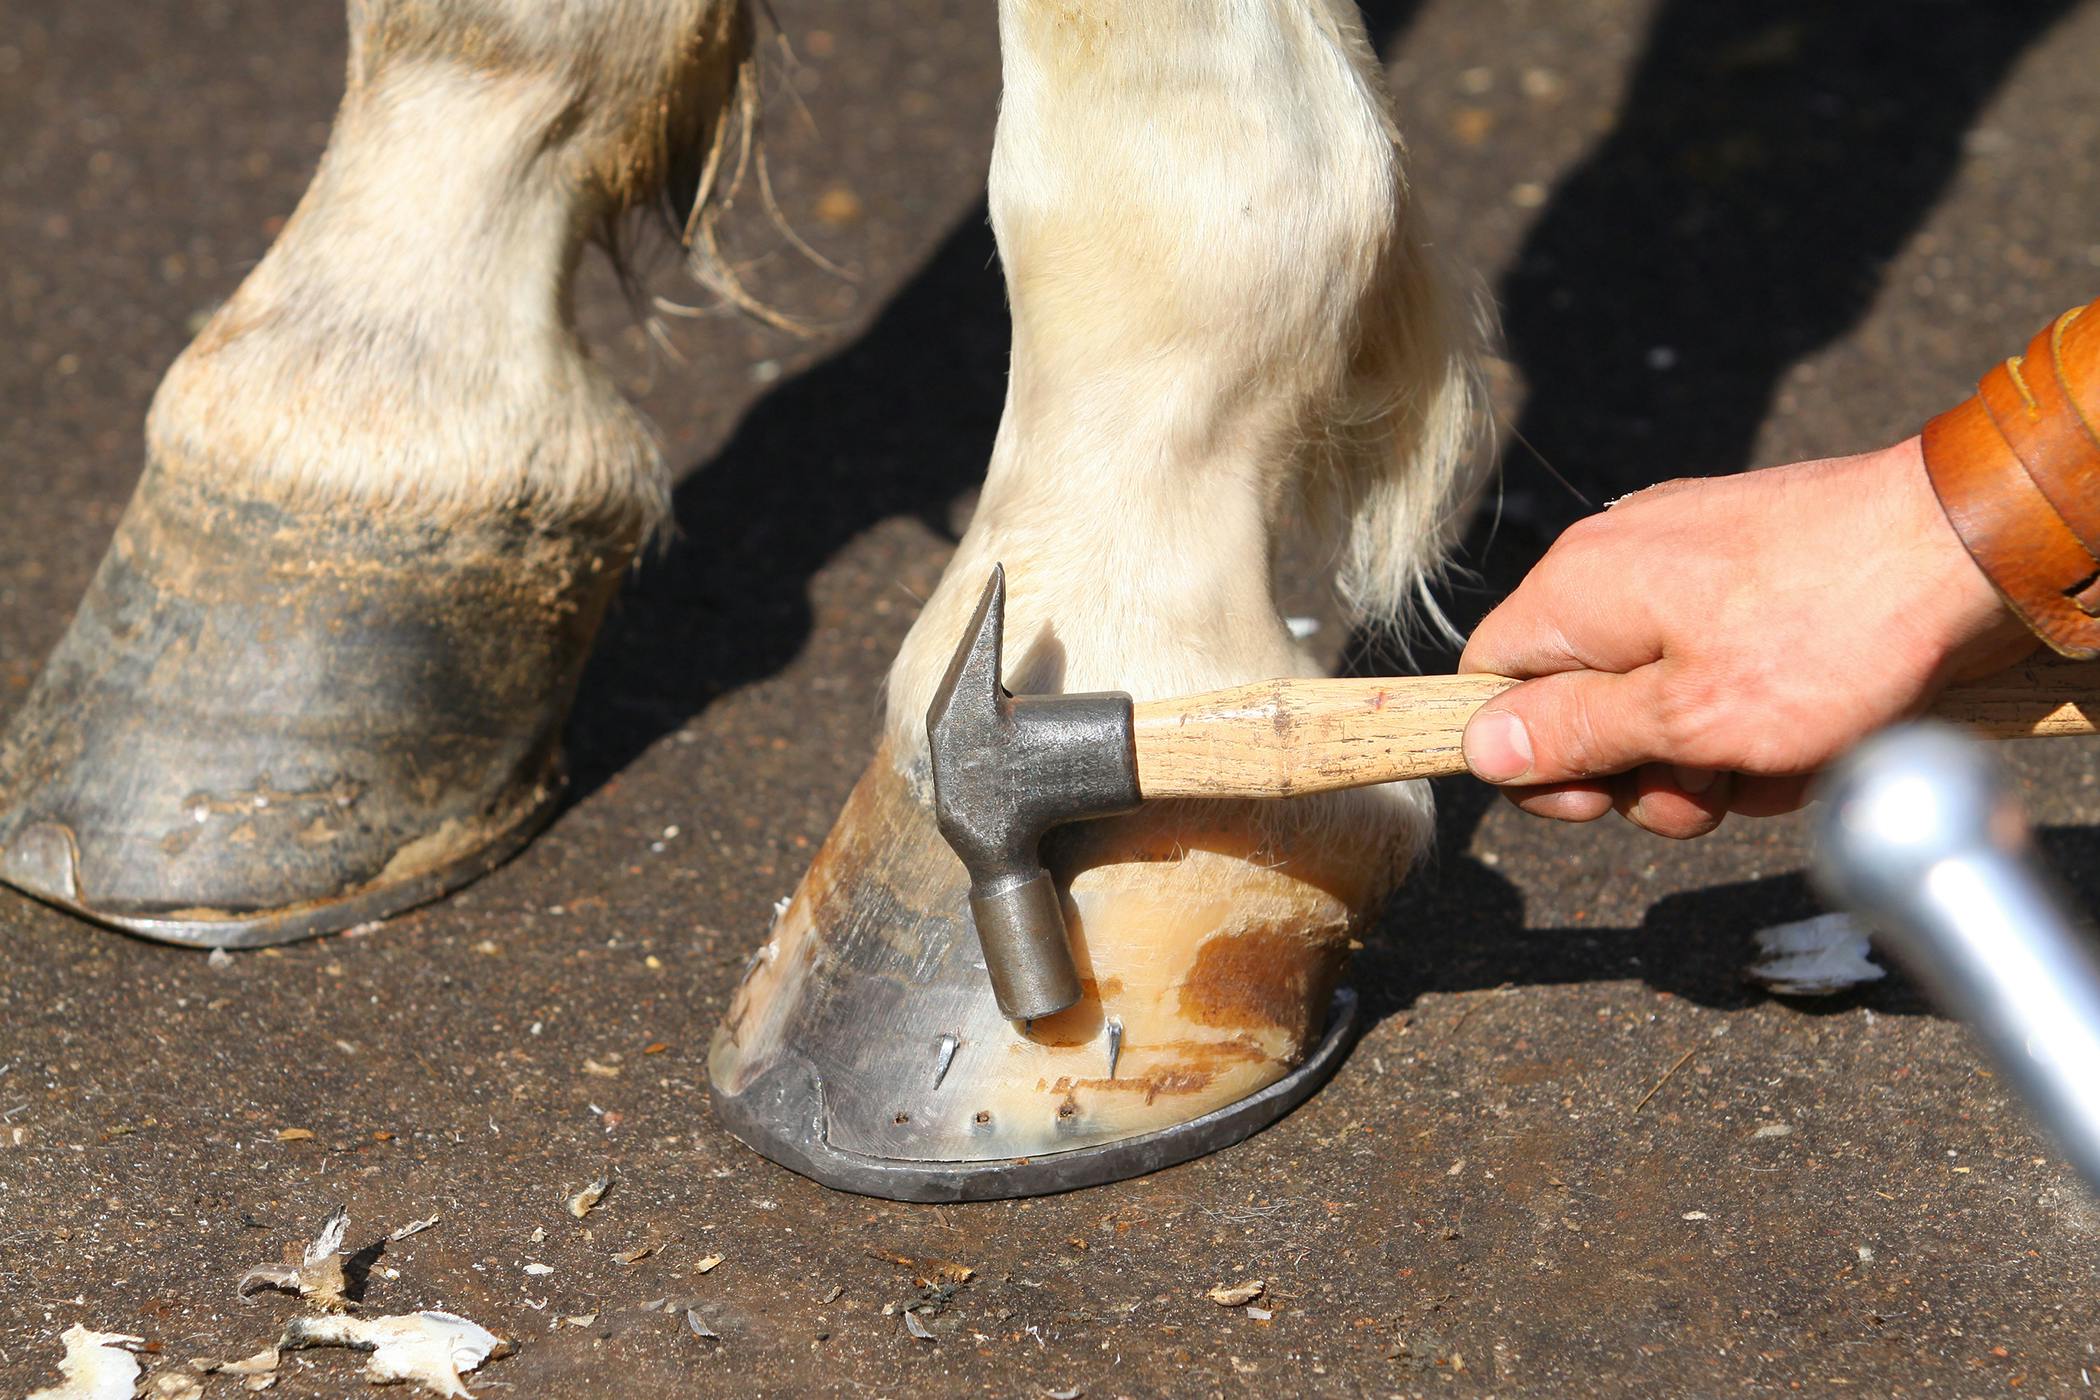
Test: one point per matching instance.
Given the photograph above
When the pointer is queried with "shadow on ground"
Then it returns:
(897, 423)
(1460, 928)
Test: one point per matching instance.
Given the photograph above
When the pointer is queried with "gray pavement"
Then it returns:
(1721, 232)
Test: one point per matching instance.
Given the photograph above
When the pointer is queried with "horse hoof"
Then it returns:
(865, 1050)
(265, 724)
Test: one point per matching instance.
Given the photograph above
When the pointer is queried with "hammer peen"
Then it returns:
(1007, 768)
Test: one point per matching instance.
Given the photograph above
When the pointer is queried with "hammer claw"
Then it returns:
(972, 684)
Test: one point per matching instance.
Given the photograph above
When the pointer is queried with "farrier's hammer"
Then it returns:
(1007, 768)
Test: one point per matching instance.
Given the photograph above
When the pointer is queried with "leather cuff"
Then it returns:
(2017, 469)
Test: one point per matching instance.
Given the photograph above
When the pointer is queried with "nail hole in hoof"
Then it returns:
(984, 1115)
(904, 1118)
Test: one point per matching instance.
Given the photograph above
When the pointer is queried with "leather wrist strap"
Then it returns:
(2017, 469)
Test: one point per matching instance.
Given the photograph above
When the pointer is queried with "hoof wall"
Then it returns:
(865, 1048)
(266, 724)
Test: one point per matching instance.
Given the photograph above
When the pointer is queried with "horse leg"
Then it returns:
(1224, 325)
(321, 673)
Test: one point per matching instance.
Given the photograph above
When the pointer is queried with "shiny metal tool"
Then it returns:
(1919, 835)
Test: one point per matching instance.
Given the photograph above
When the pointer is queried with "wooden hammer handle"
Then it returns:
(1285, 738)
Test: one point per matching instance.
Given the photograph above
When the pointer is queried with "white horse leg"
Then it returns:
(322, 670)
(1224, 321)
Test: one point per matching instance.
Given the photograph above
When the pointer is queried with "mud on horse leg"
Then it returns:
(322, 671)
(1224, 325)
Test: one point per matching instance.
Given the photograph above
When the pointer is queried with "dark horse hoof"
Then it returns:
(267, 723)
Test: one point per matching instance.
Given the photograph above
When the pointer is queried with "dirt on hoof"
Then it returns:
(265, 723)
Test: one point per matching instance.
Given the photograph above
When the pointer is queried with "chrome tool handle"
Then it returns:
(1920, 837)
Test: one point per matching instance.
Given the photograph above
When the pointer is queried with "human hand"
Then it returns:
(1704, 646)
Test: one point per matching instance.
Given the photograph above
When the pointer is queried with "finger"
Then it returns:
(1521, 637)
(1679, 803)
(1756, 796)
(1566, 728)
(1576, 610)
(1563, 802)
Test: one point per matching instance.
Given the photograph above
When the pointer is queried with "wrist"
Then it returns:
(1977, 631)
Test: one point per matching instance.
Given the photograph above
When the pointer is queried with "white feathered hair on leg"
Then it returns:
(1227, 324)
(408, 343)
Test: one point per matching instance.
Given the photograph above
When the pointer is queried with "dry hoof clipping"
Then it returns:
(865, 1048)
(265, 724)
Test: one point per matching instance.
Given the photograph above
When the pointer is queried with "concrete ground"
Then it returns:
(1573, 1155)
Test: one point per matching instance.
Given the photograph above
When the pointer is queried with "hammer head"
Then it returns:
(1006, 769)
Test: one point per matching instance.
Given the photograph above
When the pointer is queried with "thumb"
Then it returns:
(1566, 727)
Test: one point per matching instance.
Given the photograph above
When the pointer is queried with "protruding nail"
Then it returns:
(944, 1056)
(1115, 1043)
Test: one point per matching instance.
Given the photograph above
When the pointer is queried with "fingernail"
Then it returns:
(1496, 747)
(1693, 780)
